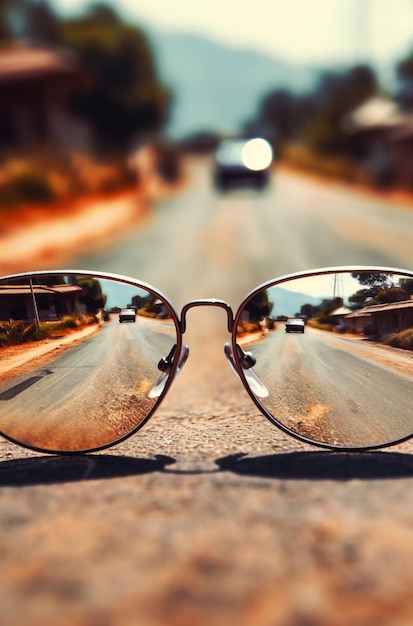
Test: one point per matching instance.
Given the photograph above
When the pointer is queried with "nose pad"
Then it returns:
(247, 361)
(165, 365)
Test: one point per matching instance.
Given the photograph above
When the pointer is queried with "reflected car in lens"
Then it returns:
(295, 325)
(127, 315)
(242, 162)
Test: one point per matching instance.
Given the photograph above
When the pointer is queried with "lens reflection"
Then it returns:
(79, 359)
(327, 349)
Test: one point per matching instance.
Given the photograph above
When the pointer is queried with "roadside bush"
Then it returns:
(145, 313)
(48, 179)
(68, 322)
(10, 332)
(14, 332)
(75, 321)
(316, 323)
(403, 339)
(244, 327)
(87, 175)
(25, 182)
(333, 167)
(168, 162)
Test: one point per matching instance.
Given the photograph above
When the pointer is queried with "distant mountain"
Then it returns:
(287, 302)
(217, 87)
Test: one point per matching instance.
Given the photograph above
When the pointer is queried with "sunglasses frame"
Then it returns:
(238, 359)
(240, 371)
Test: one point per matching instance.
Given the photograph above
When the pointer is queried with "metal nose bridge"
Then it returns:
(207, 302)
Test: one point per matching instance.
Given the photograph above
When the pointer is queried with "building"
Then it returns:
(382, 137)
(381, 319)
(35, 86)
(43, 302)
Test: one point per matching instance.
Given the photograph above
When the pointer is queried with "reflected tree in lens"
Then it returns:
(90, 382)
(256, 313)
(93, 298)
(340, 383)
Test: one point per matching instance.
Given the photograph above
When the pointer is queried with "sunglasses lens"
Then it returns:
(328, 357)
(79, 359)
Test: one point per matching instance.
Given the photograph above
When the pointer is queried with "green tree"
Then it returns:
(278, 113)
(10, 11)
(259, 307)
(94, 298)
(378, 288)
(43, 26)
(359, 298)
(404, 71)
(407, 285)
(374, 280)
(309, 311)
(124, 98)
(337, 95)
(282, 116)
(394, 294)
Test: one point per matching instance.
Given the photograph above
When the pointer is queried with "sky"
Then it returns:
(378, 31)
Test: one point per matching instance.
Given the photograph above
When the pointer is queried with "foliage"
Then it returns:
(25, 182)
(279, 115)
(380, 289)
(42, 24)
(258, 307)
(393, 294)
(15, 332)
(302, 157)
(94, 298)
(308, 310)
(374, 282)
(6, 9)
(317, 119)
(149, 306)
(337, 95)
(403, 339)
(315, 323)
(44, 180)
(168, 161)
(407, 285)
(326, 308)
(404, 68)
(124, 98)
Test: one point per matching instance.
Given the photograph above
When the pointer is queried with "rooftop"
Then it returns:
(20, 62)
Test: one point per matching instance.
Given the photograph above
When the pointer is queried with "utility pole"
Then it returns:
(36, 310)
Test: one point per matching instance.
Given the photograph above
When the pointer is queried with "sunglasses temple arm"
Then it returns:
(165, 365)
(255, 384)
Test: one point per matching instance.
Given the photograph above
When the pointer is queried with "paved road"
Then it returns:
(335, 389)
(202, 244)
(119, 362)
(209, 515)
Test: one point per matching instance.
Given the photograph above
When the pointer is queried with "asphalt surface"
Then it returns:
(210, 515)
(334, 388)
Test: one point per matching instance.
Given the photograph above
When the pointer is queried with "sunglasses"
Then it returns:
(325, 355)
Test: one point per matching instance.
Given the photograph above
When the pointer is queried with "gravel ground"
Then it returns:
(208, 515)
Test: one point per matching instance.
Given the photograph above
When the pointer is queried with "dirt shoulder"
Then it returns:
(45, 237)
(37, 239)
(16, 359)
(397, 197)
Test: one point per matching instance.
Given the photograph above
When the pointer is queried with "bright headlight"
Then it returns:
(257, 154)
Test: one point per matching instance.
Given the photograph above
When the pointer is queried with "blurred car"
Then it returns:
(242, 162)
(127, 315)
(295, 325)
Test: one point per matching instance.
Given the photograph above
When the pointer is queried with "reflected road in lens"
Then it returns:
(92, 394)
(334, 389)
